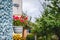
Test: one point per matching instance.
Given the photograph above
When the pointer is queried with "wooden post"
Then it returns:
(24, 35)
(35, 37)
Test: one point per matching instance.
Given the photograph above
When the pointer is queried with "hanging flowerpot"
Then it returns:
(20, 24)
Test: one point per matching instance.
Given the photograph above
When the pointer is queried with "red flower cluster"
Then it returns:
(21, 18)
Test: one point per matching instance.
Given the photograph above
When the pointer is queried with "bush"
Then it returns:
(41, 38)
(55, 37)
(30, 37)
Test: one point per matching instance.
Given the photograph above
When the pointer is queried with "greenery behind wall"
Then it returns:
(49, 24)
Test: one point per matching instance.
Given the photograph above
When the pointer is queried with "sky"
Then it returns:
(32, 8)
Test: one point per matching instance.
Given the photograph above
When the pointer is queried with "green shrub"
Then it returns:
(55, 37)
(30, 37)
(41, 38)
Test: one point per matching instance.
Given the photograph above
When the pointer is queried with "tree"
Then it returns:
(49, 23)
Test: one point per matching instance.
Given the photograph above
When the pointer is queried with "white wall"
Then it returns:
(19, 10)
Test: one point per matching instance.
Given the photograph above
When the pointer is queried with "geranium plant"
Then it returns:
(20, 20)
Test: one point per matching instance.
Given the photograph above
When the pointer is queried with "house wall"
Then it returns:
(17, 10)
(6, 29)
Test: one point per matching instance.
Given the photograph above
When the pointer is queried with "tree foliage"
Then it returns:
(50, 20)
